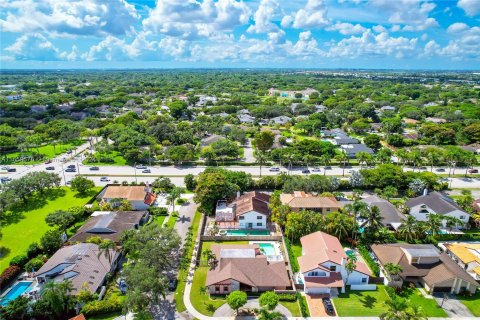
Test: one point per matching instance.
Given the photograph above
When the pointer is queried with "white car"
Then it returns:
(315, 169)
(104, 179)
(274, 169)
(141, 166)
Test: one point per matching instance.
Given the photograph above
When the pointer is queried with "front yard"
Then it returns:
(26, 224)
(372, 303)
(472, 303)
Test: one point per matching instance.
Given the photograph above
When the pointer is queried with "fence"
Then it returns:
(241, 238)
(365, 287)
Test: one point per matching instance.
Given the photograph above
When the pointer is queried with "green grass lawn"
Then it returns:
(49, 151)
(429, 306)
(118, 160)
(182, 274)
(26, 224)
(107, 316)
(159, 220)
(295, 252)
(472, 303)
(171, 222)
(361, 303)
(293, 307)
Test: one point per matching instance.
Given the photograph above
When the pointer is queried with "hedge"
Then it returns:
(8, 275)
(19, 260)
(293, 260)
(287, 297)
(369, 260)
(112, 304)
(303, 306)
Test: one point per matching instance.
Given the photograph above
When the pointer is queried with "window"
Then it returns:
(364, 280)
(217, 289)
(328, 209)
(225, 289)
(415, 260)
(462, 217)
(259, 217)
(259, 224)
(241, 218)
(313, 273)
(333, 268)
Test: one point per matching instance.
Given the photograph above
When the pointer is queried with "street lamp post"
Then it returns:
(63, 171)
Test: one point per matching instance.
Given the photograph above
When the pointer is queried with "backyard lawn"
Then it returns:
(25, 225)
(371, 303)
(472, 303)
(118, 160)
(292, 307)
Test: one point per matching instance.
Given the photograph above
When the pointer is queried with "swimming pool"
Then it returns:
(268, 249)
(17, 290)
(248, 233)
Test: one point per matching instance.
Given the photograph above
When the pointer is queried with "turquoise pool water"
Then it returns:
(349, 252)
(248, 232)
(268, 249)
(18, 289)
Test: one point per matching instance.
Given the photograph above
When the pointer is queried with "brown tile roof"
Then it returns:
(334, 281)
(438, 272)
(131, 193)
(300, 199)
(253, 271)
(108, 226)
(82, 265)
(150, 198)
(79, 317)
(252, 201)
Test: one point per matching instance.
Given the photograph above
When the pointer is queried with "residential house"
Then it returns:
(467, 255)
(38, 108)
(109, 225)
(435, 120)
(79, 263)
(245, 268)
(351, 150)
(436, 203)
(300, 200)
(388, 108)
(474, 147)
(14, 97)
(246, 118)
(281, 120)
(476, 205)
(424, 263)
(141, 197)
(210, 139)
(249, 211)
(322, 265)
(392, 218)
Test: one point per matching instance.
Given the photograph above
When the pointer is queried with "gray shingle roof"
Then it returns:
(436, 201)
(388, 211)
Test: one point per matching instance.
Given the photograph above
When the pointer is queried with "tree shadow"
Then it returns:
(34, 202)
(368, 301)
(4, 251)
(88, 194)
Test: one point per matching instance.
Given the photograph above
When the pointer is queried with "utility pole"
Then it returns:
(63, 171)
(135, 169)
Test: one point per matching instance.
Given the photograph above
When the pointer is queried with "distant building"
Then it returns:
(210, 139)
(351, 150)
(246, 118)
(435, 120)
(38, 108)
(466, 255)
(281, 120)
(14, 97)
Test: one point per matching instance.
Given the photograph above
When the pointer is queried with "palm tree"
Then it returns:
(261, 158)
(374, 218)
(452, 222)
(362, 158)
(107, 247)
(325, 159)
(173, 195)
(337, 224)
(396, 309)
(354, 209)
(433, 223)
(307, 159)
(203, 292)
(58, 298)
(350, 266)
(393, 270)
(416, 312)
(342, 158)
(402, 155)
(409, 229)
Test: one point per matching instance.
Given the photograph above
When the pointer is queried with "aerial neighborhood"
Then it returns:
(271, 195)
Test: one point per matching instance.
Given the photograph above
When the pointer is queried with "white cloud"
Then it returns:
(69, 17)
(263, 17)
(33, 47)
(457, 27)
(379, 28)
(431, 48)
(471, 7)
(191, 19)
(111, 48)
(313, 15)
(465, 45)
(346, 28)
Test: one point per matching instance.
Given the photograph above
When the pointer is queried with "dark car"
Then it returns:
(48, 161)
(146, 171)
(473, 171)
(172, 284)
(327, 303)
(50, 168)
(328, 168)
(5, 179)
(306, 171)
(11, 170)
(70, 166)
(94, 168)
(70, 170)
(440, 170)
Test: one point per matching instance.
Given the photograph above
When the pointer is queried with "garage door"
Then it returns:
(317, 290)
(442, 289)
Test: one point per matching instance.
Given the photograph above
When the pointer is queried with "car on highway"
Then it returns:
(422, 168)
(146, 171)
(104, 179)
(316, 169)
(306, 171)
(50, 168)
(328, 168)
(5, 179)
(274, 169)
(473, 171)
(140, 166)
(71, 166)
(94, 168)
(70, 170)
(440, 170)
(69, 152)
(327, 303)
(11, 170)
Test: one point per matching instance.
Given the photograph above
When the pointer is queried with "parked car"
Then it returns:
(5, 179)
(104, 179)
(440, 170)
(274, 169)
(69, 152)
(306, 171)
(94, 168)
(327, 303)
(146, 171)
(473, 171)
(69, 182)
(11, 170)
(422, 168)
(172, 284)
(4, 168)
(122, 285)
(316, 169)
(328, 168)
(50, 168)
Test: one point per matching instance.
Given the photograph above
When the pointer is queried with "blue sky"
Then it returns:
(381, 34)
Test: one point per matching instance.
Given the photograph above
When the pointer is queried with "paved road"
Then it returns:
(248, 152)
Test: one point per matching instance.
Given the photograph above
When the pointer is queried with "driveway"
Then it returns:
(185, 216)
(453, 307)
(226, 311)
(248, 152)
(315, 305)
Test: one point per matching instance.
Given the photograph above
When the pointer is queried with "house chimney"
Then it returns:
(425, 191)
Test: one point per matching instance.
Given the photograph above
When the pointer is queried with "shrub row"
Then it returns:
(293, 261)
(369, 260)
(303, 305)
(158, 211)
(113, 304)
(287, 297)
(9, 275)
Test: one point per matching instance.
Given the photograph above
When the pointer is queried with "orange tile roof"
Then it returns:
(300, 199)
(467, 252)
(131, 193)
(334, 281)
(79, 317)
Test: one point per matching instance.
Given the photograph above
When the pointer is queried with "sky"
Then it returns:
(370, 34)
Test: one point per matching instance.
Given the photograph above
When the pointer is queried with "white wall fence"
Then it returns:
(366, 287)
